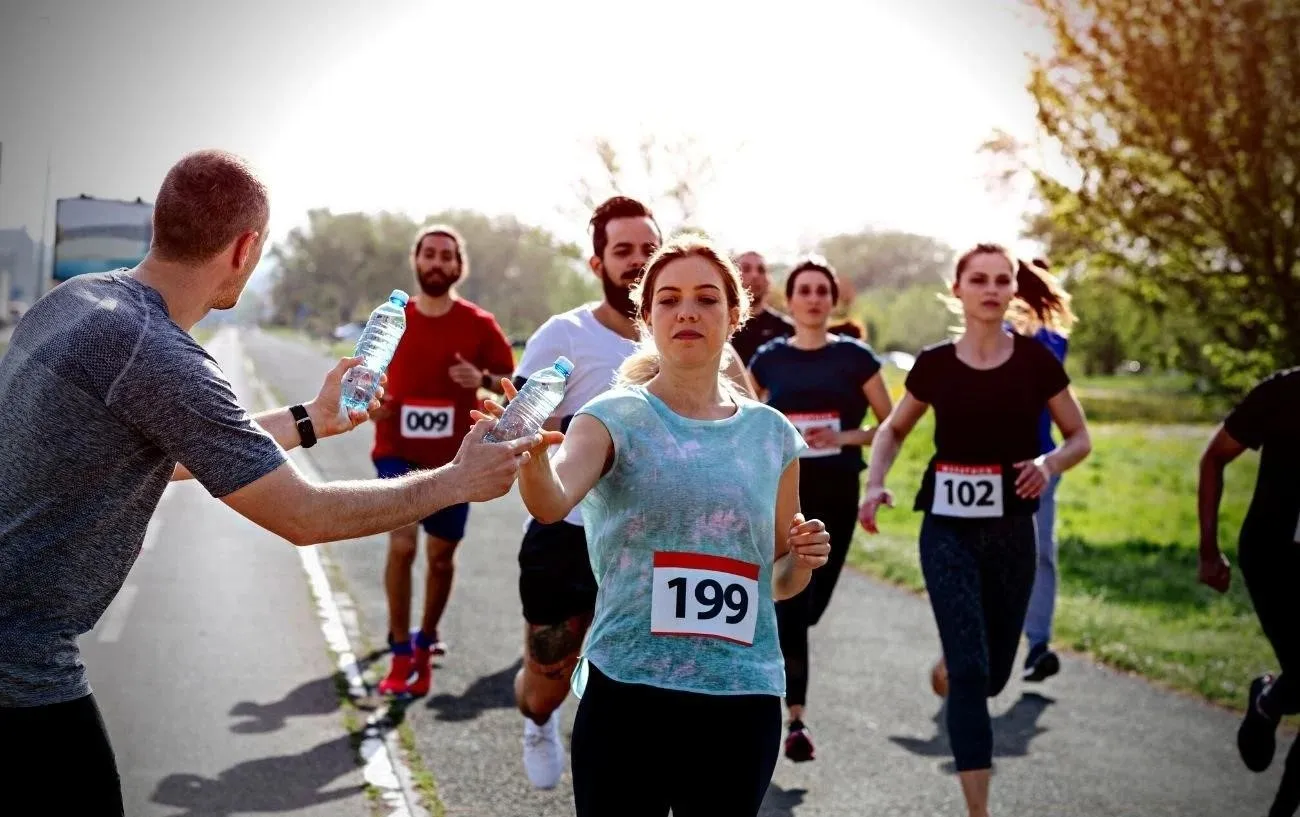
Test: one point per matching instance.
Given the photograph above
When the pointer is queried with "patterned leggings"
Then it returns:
(979, 575)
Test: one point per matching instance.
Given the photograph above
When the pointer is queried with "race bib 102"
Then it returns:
(807, 421)
(428, 419)
(703, 595)
(967, 491)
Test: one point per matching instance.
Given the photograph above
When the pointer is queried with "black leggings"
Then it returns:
(640, 750)
(1270, 568)
(835, 502)
(63, 749)
(979, 575)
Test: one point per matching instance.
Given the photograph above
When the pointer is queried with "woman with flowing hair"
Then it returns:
(988, 388)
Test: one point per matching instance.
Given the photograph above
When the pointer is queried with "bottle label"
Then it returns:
(428, 419)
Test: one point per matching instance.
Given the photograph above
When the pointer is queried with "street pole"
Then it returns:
(44, 281)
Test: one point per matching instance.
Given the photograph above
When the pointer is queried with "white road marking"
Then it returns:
(384, 768)
(115, 617)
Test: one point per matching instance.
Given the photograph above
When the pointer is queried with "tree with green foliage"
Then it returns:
(889, 259)
(1182, 121)
(334, 269)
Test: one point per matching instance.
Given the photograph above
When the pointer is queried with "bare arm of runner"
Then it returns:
(467, 375)
(878, 398)
(325, 411)
(1213, 569)
(884, 448)
(1068, 416)
(553, 486)
(801, 546)
(306, 513)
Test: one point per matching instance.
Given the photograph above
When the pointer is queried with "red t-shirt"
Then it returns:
(429, 412)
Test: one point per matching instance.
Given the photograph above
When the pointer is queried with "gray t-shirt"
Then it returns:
(101, 394)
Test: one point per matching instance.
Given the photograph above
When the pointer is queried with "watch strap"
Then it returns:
(301, 420)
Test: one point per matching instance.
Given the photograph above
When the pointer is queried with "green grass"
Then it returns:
(1128, 538)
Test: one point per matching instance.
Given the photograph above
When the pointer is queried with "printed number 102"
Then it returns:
(965, 493)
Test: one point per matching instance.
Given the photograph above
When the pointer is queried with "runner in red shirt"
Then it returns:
(450, 349)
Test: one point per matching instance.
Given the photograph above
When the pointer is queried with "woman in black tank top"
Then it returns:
(988, 389)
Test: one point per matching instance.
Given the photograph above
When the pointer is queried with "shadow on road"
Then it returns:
(495, 691)
(269, 784)
(319, 697)
(781, 802)
(1012, 731)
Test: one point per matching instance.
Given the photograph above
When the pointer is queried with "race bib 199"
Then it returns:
(807, 421)
(428, 419)
(967, 491)
(703, 595)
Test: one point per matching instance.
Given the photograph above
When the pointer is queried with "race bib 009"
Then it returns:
(807, 421)
(703, 595)
(428, 419)
(967, 491)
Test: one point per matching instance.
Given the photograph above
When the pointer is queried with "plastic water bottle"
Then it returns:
(535, 402)
(377, 344)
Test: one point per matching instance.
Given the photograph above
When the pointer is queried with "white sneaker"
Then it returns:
(543, 752)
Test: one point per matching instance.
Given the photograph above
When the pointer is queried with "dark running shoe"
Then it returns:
(798, 744)
(1040, 664)
(1256, 738)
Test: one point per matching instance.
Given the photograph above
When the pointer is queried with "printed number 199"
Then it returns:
(712, 597)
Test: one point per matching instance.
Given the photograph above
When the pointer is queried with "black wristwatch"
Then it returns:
(486, 381)
(306, 431)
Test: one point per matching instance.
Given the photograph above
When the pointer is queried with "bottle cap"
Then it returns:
(399, 297)
(564, 366)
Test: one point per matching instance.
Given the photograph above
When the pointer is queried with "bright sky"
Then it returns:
(832, 117)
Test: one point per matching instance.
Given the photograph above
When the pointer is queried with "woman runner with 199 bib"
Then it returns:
(690, 545)
(980, 491)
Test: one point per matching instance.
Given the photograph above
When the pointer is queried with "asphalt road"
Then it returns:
(212, 672)
(1089, 743)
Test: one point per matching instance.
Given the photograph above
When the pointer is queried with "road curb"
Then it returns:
(384, 767)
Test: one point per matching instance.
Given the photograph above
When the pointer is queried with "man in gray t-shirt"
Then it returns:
(104, 398)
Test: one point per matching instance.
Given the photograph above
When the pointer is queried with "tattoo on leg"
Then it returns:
(554, 643)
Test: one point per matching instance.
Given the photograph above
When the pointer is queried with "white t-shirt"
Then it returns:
(596, 351)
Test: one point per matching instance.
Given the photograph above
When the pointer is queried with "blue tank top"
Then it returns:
(681, 536)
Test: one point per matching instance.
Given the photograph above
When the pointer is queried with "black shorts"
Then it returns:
(555, 578)
(61, 749)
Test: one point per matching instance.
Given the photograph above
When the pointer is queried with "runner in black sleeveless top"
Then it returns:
(988, 389)
(823, 383)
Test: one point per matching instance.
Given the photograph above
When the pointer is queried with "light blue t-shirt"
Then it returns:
(681, 535)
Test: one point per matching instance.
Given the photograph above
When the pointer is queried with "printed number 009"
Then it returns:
(426, 421)
(713, 598)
